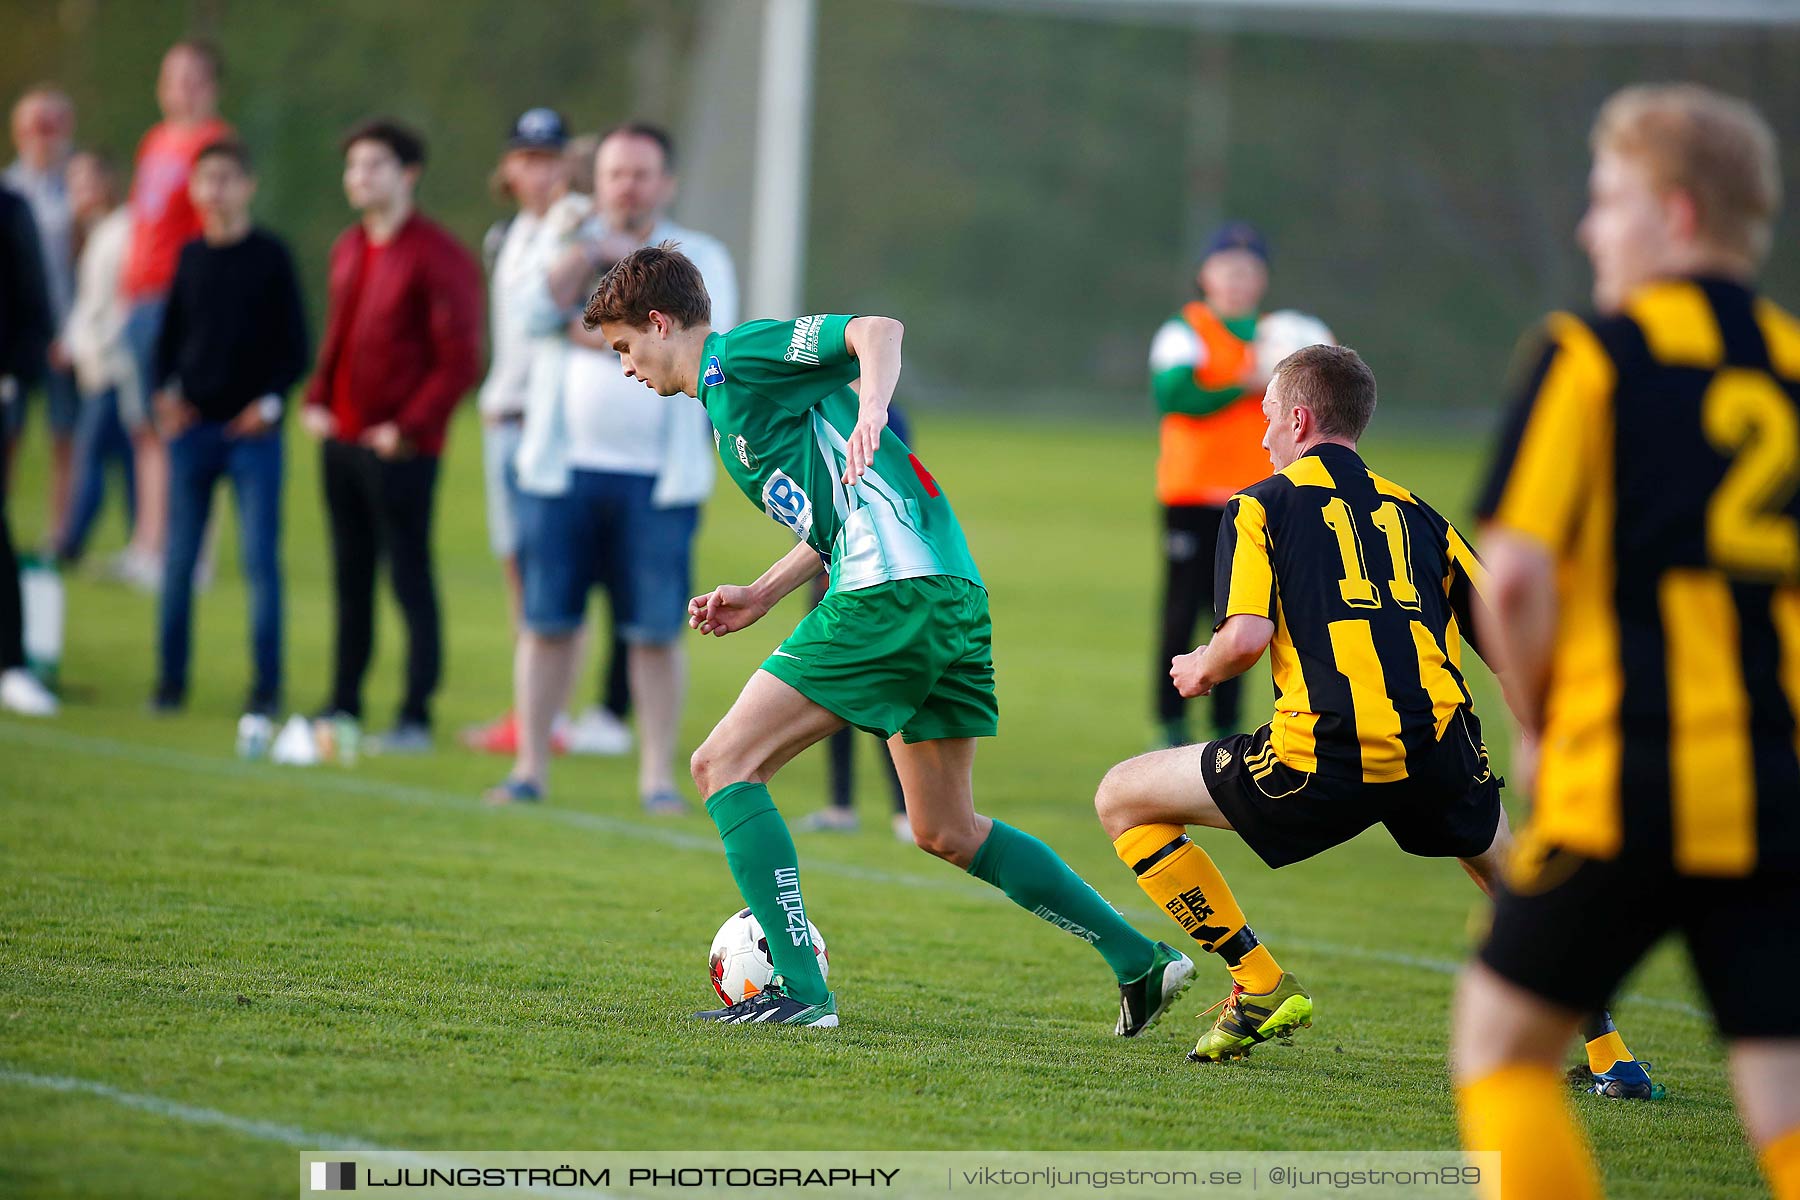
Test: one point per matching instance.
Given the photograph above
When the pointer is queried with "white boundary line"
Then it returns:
(266, 1131)
(331, 780)
(192, 1114)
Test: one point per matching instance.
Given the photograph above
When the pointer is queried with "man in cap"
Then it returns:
(517, 250)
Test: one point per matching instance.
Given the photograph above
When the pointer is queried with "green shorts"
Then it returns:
(911, 656)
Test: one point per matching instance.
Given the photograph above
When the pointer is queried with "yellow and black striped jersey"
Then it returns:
(1656, 454)
(1370, 593)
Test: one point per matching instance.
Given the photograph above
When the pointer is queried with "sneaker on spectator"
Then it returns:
(21, 692)
(828, 820)
(408, 737)
(502, 736)
(255, 734)
(126, 567)
(499, 736)
(145, 571)
(135, 570)
(666, 802)
(166, 701)
(512, 791)
(598, 732)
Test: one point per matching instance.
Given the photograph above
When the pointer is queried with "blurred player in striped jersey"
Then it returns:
(1642, 523)
(1363, 597)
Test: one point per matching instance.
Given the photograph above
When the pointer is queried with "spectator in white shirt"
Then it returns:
(611, 478)
(93, 340)
(516, 252)
(600, 728)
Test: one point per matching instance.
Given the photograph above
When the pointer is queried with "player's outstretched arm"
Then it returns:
(875, 344)
(729, 608)
(1234, 649)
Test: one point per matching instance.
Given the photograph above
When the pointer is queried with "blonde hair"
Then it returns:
(1716, 148)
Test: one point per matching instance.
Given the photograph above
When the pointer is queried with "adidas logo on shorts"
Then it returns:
(1222, 759)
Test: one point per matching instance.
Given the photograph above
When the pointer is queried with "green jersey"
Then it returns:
(779, 397)
(1175, 354)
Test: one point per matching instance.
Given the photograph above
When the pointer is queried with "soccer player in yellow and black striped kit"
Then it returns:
(1363, 597)
(1642, 523)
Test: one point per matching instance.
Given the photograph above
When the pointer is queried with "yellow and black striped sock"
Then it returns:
(1781, 1163)
(1182, 880)
(1522, 1111)
(1604, 1045)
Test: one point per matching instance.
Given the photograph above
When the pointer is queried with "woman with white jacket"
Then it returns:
(92, 340)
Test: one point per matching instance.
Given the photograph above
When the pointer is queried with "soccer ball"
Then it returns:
(740, 964)
(1280, 333)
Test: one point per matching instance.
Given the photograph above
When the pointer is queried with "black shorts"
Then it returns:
(1569, 929)
(1448, 808)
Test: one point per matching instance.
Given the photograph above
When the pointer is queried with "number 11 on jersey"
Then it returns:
(1355, 586)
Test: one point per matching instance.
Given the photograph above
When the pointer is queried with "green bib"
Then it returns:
(779, 397)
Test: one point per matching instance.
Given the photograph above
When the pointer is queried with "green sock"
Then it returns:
(1037, 880)
(761, 855)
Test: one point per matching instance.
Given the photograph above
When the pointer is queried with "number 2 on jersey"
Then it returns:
(1747, 415)
(1355, 587)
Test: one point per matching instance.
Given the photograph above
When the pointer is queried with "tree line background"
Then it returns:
(1026, 192)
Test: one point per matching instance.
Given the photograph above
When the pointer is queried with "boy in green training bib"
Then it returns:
(900, 646)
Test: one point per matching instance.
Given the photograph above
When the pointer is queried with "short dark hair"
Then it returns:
(206, 51)
(229, 149)
(655, 278)
(644, 129)
(407, 145)
(1334, 383)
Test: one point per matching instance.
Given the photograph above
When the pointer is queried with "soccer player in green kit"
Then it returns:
(900, 646)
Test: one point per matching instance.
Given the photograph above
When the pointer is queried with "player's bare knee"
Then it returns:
(955, 846)
(932, 841)
(1484, 869)
(1115, 801)
(717, 765)
(711, 768)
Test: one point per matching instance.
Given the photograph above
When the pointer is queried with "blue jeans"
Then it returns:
(605, 532)
(100, 436)
(143, 326)
(62, 406)
(62, 403)
(197, 460)
(499, 443)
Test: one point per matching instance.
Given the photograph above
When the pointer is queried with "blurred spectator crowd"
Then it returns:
(162, 333)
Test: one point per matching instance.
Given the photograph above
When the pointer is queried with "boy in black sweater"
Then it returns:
(232, 344)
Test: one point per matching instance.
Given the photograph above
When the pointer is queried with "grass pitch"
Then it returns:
(367, 954)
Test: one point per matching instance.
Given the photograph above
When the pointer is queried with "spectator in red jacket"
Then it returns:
(402, 344)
